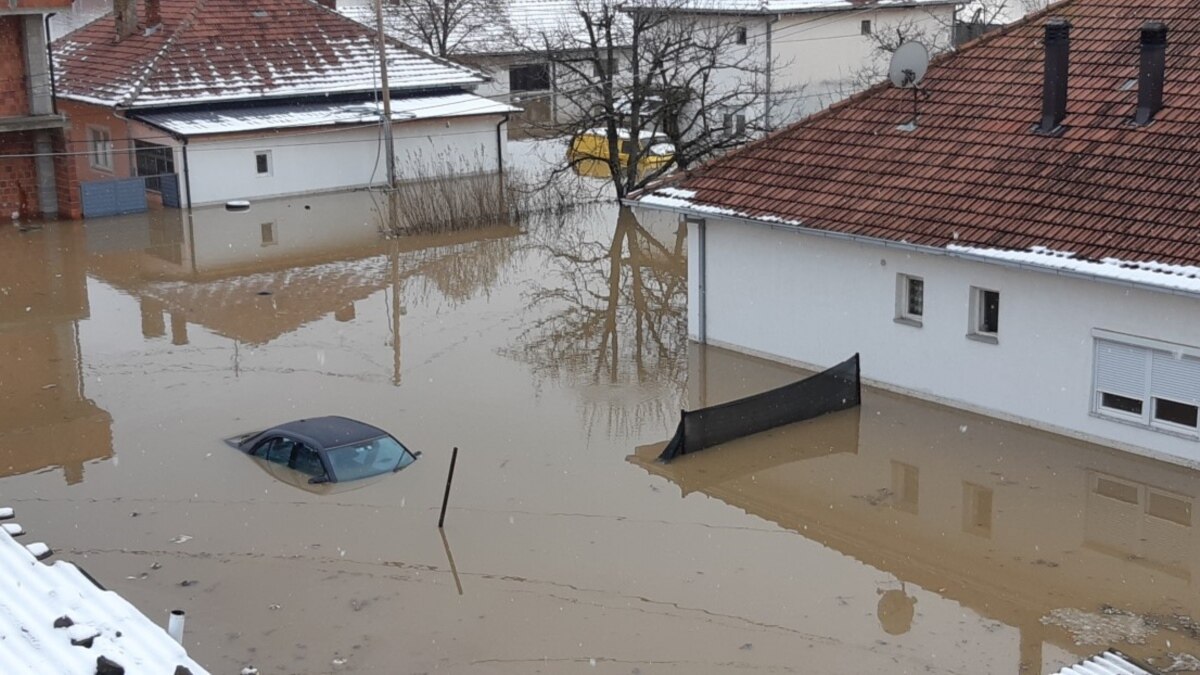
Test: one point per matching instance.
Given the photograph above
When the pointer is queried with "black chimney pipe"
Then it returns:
(1054, 87)
(1152, 73)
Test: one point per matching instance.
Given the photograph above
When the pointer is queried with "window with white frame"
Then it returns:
(262, 162)
(741, 35)
(1157, 388)
(984, 315)
(910, 299)
(100, 155)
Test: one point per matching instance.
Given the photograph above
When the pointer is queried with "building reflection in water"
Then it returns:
(46, 419)
(257, 275)
(1021, 526)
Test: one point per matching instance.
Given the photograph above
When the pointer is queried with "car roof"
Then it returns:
(331, 432)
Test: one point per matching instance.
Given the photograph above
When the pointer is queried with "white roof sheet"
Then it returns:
(517, 26)
(1110, 662)
(35, 595)
(258, 118)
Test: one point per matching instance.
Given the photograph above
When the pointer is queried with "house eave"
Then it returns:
(822, 9)
(700, 213)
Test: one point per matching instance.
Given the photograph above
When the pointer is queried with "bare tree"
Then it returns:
(647, 73)
(445, 27)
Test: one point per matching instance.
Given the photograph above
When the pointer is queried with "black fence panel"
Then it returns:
(837, 388)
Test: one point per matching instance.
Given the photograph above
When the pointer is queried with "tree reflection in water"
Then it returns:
(613, 312)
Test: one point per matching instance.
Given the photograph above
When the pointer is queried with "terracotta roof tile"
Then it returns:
(974, 174)
(224, 50)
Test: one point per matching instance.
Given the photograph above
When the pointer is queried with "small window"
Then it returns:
(1121, 403)
(1174, 412)
(865, 27)
(530, 77)
(741, 35)
(985, 314)
(727, 124)
(910, 299)
(100, 155)
(741, 125)
(268, 234)
(262, 162)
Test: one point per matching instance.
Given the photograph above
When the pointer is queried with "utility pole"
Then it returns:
(387, 96)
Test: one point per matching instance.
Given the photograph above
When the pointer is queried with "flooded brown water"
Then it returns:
(902, 537)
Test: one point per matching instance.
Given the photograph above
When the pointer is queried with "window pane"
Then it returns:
(1117, 490)
(1122, 403)
(990, 312)
(369, 458)
(261, 162)
(307, 461)
(532, 77)
(916, 297)
(1175, 412)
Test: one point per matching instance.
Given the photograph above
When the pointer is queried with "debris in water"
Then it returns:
(1111, 626)
(339, 661)
(181, 539)
(1182, 663)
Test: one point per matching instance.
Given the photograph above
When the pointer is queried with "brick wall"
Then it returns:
(14, 93)
(66, 180)
(18, 178)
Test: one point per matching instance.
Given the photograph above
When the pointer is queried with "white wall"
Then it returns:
(817, 300)
(306, 161)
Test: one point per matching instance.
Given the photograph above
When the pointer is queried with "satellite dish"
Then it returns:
(908, 66)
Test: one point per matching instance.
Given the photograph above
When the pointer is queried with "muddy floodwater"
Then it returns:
(900, 537)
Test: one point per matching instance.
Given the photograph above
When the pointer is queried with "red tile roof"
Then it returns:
(973, 174)
(224, 50)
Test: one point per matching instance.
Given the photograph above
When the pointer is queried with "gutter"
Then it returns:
(50, 64)
(915, 248)
(187, 176)
(500, 144)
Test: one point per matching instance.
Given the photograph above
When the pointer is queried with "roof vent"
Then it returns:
(1054, 85)
(1152, 72)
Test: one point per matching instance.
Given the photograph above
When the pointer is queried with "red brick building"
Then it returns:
(32, 181)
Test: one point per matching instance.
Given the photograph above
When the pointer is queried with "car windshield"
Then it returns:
(369, 458)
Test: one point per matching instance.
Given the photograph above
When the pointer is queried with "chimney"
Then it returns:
(1054, 87)
(153, 15)
(125, 12)
(1152, 73)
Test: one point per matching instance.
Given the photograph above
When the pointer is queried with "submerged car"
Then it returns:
(328, 449)
(591, 147)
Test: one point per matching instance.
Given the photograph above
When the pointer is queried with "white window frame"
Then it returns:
(270, 163)
(100, 148)
(1149, 390)
(976, 311)
(903, 313)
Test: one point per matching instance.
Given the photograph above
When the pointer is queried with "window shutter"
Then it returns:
(1121, 369)
(1175, 377)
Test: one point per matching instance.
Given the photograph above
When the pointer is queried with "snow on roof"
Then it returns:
(202, 122)
(780, 6)
(36, 597)
(1179, 278)
(521, 27)
(224, 50)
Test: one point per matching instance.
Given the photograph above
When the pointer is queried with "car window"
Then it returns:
(307, 461)
(277, 450)
(369, 458)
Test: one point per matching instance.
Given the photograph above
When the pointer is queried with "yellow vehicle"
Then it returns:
(589, 151)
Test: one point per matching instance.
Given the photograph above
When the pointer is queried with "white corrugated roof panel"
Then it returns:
(1111, 662)
(34, 596)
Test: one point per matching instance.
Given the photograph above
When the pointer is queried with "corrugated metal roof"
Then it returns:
(1111, 662)
(35, 596)
(203, 122)
(224, 50)
(974, 175)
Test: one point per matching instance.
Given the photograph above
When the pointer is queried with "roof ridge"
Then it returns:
(144, 78)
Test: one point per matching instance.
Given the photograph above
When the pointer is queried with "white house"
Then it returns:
(1030, 248)
(209, 101)
(814, 52)
(512, 45)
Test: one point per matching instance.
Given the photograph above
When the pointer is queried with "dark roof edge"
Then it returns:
(828, 9)
(916, 248)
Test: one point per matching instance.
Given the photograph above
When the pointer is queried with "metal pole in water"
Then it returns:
(175, 625)
(449, 479)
